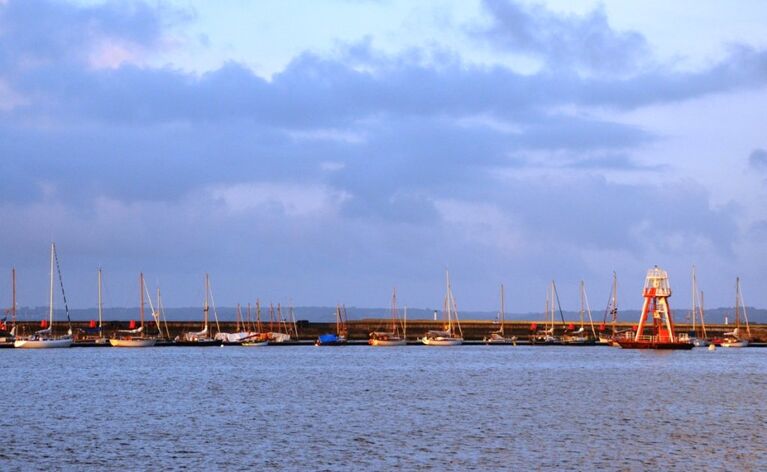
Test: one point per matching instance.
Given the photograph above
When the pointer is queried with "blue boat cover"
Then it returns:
(328, 338)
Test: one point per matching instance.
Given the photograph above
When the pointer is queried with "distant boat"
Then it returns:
(699, 337)
(499, 337)
(736, 338)
(656, 308)
(452, 335)
(135, 337)
(44, 338)
(200, 338)
(284, 331)
(395, 335)
(612, 310)
(547, 335)
(338, 338)
(581, 336)
(8, 333)
(241, 333)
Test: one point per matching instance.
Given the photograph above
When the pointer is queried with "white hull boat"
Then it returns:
(137, 342)
(42, 343)
(734, 343)
(255, 343)
(387, 342)
(441, 341)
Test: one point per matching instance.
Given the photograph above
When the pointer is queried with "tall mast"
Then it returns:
(238, 315)
(13, 296)
(583, 293)
(101, 305)
(737, 302)
(205, 307)
(141, 306)
(702, 322)
(694, 296)
(258, 315)
(615, 302)
(50, 295)
(394, 310)
(502, 310)
(449, 300)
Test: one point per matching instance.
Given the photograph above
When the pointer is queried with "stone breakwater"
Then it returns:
(473, 330)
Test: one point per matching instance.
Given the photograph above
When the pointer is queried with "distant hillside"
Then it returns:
(314, 313)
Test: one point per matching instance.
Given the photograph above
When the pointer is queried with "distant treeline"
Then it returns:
(324, 314)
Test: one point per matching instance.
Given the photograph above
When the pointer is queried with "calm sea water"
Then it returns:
(352, 408)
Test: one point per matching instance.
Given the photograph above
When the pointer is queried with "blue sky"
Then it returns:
(328, 151)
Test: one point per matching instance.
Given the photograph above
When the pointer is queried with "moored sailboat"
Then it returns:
(699, 337)
(452, 334)
(200, 338)
(547, 336)
(338, 338)
(736, 338)
(581, 335)
(134, 337)
(499, 337)
(393, 337)
(44, 338)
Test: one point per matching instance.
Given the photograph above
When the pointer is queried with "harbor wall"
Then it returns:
(473, 330)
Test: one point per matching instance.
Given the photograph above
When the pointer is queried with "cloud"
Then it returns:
(347, 170)
(758, 160)
(563, 41)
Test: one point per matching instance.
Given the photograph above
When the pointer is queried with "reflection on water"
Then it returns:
(351, 408)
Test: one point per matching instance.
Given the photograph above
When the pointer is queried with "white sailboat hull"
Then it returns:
(738, 343)
(145, 342)
(255, 343)
(42, 343)
(387, 342)
(442, 341)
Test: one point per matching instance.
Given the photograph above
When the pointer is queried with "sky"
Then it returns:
(326, 152)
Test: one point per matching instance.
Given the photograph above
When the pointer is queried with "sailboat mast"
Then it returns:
(141, 306)
(503, 309)
(702, 322)
(101, 306)
(258, 315)
(13, 296)
(737, 302)
(615, 302)
(694, 296)
(449, 303)
(583, 294)
(205, 307)
(394, 311)
(50, 295)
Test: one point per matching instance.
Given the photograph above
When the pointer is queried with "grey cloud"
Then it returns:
(563, 41)
(758, 160)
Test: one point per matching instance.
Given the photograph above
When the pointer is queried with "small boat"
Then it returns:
(736, 338)
(240, 335)
(581, 337)
(8, 333)
(44, 338)
(392, 337)
(606, 338)
(499, 337)
(547, 336)
(285, 331)
(201, 338)
(452, 335)
(656, 294)
(698, 336)
(339, 337)
(134, 337)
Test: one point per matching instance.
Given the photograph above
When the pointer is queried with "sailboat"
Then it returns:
(45, 338)
(258, 338)
(547, 336)
(282, 333)
(581, 336)
(240, 335)
(698, 336)
(135, 337)
(95, 331)
(200, 338)
(339, 337)
(452, 335)
(612, 310)
(393, 337)
(736, 338)
(499, 337)
(8, 334)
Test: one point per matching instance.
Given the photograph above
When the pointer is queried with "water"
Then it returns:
(352, 408)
